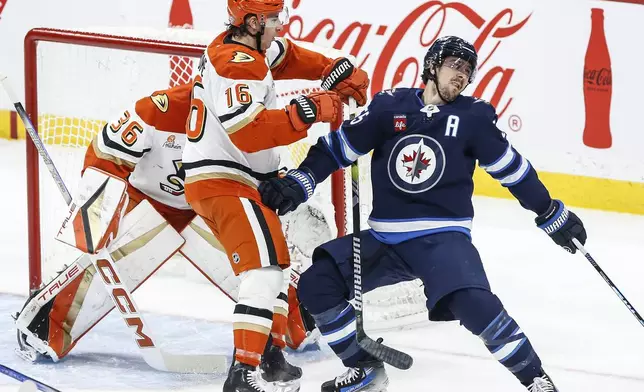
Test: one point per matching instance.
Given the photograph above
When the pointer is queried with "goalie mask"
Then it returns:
(450, 46)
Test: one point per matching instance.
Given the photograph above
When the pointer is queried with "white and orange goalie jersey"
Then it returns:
(144, 147)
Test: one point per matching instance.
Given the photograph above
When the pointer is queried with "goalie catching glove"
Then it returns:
(305, 110)
(287, 193)
(345, 79)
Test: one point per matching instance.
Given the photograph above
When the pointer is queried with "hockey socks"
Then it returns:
(482, 313)
(338, 326)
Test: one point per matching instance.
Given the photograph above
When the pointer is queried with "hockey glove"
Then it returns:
(345, 79)
(562, 226)
(287, 193)
(323, 106)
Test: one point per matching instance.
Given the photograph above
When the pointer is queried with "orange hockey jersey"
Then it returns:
(235, 125)
(144, 145)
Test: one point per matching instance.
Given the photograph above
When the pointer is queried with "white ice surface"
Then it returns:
(588, 340)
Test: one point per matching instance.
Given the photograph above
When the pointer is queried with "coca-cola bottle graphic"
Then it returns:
(181, 17)
(598, 85)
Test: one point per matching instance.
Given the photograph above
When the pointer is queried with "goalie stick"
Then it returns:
(378, 350)
(608, 281)
(21, 377)
(154, 356)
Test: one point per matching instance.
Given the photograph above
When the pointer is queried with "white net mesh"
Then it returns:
(80, 87)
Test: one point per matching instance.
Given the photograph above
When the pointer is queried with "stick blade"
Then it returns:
(391, 356)
(192, 363)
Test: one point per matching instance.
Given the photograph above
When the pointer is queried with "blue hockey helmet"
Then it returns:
(447, 46)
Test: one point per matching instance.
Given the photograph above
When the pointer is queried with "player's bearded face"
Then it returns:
(453, 77)
(274, 25)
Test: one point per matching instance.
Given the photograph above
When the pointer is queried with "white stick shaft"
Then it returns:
(36, 139)
(129, 311)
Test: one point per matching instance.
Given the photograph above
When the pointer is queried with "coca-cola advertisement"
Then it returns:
(598, 85)
(560, 74)
(382, 49)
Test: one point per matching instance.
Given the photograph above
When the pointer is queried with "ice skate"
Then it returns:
(245, 378)
(276, 370)
(368, 376)
(542, 383)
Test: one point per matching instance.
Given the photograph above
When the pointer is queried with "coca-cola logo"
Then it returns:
(598, 77)
(392, 67)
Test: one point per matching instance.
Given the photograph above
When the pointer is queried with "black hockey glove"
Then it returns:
(287, 193)
(562, 226)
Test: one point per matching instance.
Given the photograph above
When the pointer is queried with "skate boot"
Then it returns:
(245, 378)
(33, 334)
(542, 383)
(368, 376)
(276, 370)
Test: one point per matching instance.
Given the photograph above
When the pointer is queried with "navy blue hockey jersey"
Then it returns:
(423, 161)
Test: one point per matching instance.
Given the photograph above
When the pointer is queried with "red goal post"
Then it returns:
(34, 78)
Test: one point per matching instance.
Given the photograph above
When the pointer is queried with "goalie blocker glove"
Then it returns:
(287, 193)
(562, 226)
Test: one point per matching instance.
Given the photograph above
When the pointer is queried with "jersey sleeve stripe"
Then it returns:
(327, 144)
(503, 162)
(230, 116)
(246, 118)
(109, 157)
(109, 143)
(282, 45)
(189, 166)
(517, 175)
(348, 152)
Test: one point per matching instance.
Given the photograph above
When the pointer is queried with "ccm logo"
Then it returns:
(54, 287)
(123, 302)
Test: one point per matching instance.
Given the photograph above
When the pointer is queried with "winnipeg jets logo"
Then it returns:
(416, 163)
(430, 110)
(241, 57)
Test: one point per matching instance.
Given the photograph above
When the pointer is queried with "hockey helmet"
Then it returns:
(269, 12)
(449, 46)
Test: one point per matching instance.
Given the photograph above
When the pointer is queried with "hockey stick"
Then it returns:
(378, 350)
(153, 355)
(608, 281)
(36, 139)
(21, 377)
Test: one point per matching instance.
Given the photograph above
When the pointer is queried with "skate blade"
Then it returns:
(29, 355)
(281, 386)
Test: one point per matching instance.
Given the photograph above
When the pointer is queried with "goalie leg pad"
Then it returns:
(68, 307)
(95, 212)
(253, 315)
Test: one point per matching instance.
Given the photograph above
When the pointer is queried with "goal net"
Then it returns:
(76, 81)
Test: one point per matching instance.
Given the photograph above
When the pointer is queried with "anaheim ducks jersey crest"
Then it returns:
(144, 144)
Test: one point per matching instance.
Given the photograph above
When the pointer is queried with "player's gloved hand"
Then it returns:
(322, 106)
(562, 226)
(348, 81)
(286, 193)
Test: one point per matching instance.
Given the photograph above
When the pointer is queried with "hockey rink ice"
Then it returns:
(588, 340)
